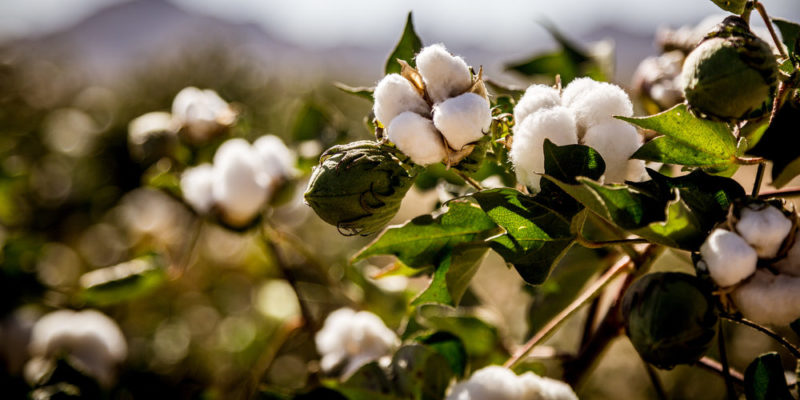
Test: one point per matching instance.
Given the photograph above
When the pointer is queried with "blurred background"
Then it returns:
(218, 323)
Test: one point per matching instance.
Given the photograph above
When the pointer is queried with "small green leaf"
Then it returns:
(764, 379)
(122, 282)
(450, 347)
(451, 278)
(790, 33)
(780, 143)
(361, 91)
(733, 6)
(409, 45)
(687, 140)
(479, 337)
(566, 163)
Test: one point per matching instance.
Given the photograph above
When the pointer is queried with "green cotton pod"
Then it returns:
(731, 74)
(669, 318)
(358, 187)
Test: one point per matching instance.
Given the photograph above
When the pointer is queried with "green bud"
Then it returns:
(731, 74)
(358, 187)
(669, 318)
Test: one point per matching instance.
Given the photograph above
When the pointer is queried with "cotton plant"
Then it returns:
(499, 383)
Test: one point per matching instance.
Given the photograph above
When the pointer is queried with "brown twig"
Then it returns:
(714, 366)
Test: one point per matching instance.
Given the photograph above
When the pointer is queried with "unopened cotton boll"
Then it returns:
(595, 102)
(241, 186)
(395, 95)
(196, 184)
(536, 97)
(279, 160)
(616, 141)
(499, 383)
(350, 339)
(202, 113)
(90, 339)
(769, 299)
(764, 227)
(527, 149)
(729, 258)
(462, 119)
(417, 138)
(444, 74)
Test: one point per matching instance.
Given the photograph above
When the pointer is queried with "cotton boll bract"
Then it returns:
(201, 113)
(196, 184)
(527, 150)
(395, 95)
(616, 141)
(444, 75)
(417, 138)
(351, 339)
(462, 119)
(729, 258)
(241, 186)
(769, 299)
(536, 97)
(595, 102)
(764, 227)
(279, 160)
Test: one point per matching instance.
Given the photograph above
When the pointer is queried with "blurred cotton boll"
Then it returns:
(279, 160)
(152, 136)
(15, 335)
(196, 184)
(498, 383)
(658, 79)
(201, 114)
(350, 339)
(241, 183)
(90, 340)
(152, 216)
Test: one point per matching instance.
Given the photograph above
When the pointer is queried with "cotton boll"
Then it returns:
(728, 257)
(417, 137)
(596, 102)
(527, 154)
(241, 186)
(769, 299)
(444, 75)
(764, 227)
(498, 383)
(352, 339)
(395, 95)
(616, 141)
(202, 113)
(196, 186)
(790, 263)
(535, 98)
(462, 119)
(544, 388)
(279, 160)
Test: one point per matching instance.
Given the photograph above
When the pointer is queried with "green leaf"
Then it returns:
(451, 278)
(780, 142)
(409, 45)
(764, 379)
(370, 382)
(566, 163)
(790, 34)
(450, 347)
(479, 337)
(426, 240)
(309, 122)
(421, 373)
(361, 91)
(733, 6)
(122, 282)
(687, 140)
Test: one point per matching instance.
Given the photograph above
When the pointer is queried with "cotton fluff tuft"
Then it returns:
(395, 95)
(595, 102)
(462, 119)
(352, 339)
(729, 258)
(90, 339)
(444, 75)
(536, 97)
(616, 141)
(765, 229)
(790, 264)
(417, 138)
(527, 149)
(279, 160)
(196, 186)
(201, 112)
(498, 383)
(241, 185)
(769, 299)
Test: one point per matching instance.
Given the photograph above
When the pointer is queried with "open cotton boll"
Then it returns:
(279, 160)
(417, 138)
(499, 383)
(201, 112)
(544, 388)
(352, 339)
(769, 299)
(462, 119)
(764, 227)
(729, 258)
(196, 183)
(527, 149)
(241, 185)
(616, 141)
(790, 263)
(395, 95)
(89, 338)
(535, 98)
(444, 74)
(595, 102)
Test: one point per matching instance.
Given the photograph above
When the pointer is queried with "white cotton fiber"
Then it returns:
(769, 299)
(201, 112)
(444, 75)
(790, 263)
(241, 185)
(462, 119)
(527, 154)
(729, 258)
(595, 102)
(279, 160)
(417, 138)
(196, 186)
(764, 227)
(535, 98)
(498, 383)
(616, 141)
(351, 339)
(395, 95)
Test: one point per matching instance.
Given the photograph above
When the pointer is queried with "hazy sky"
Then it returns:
(375, 22)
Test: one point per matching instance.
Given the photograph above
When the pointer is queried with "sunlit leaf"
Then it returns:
(409, 45)
(122, 282)
(733, 6)
(450, 347)
(361, 91)
(452, 277)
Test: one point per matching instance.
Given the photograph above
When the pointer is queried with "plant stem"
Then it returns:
(765, 17)
(749, 160)
(656, 381)
(787, 192)
(778, 338)
(723, 358)
(611, 230)
(714, 366)
(472, 182)
(759, 178)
